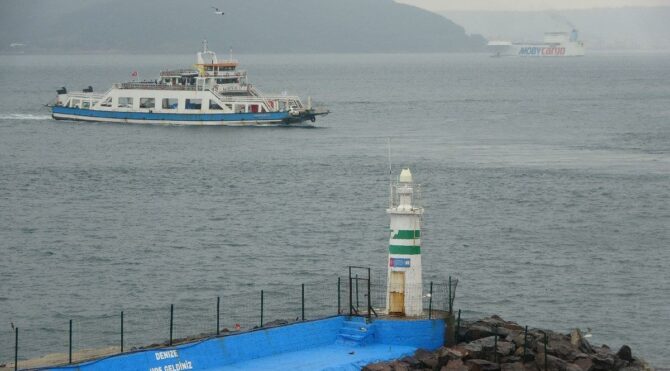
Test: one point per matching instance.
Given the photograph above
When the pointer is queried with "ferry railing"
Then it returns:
(152, 86)
(82, 95)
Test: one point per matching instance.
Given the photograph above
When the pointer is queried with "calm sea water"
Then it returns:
(545, 183)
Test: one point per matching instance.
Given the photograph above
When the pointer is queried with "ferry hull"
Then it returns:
(209, 119)
(537, 51)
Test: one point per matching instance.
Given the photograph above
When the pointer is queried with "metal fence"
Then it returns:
(70, 340)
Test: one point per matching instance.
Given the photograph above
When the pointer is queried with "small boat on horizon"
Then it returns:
(214, 93)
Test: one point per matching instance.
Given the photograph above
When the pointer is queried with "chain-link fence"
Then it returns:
(71, 340)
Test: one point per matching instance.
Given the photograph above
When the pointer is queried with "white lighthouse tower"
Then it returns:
(404, 282)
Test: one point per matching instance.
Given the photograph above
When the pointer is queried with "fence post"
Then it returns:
(70, 345)
(545, 351)
(449, 298)
(351, 301)
(358, 305)
(495, 343)
(303, 301)
(121, 331)
(369, 297)
(430, 302)
(458, 328)
(339, 304)
(261, 308)
(525, 345)
(171, 321)
(16, 348)
(218, 310)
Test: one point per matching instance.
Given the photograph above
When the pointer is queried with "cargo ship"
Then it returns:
(555, 44)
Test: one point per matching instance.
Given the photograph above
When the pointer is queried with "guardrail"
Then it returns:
(80, 338)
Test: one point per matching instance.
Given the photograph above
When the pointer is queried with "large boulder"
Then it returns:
(578, 341)
(476, 332)
(585, 364)
(445, 355)
(562, 349)
(529, 354)
(553, 363)
(464, 351)
(505, 348)
(400, 366)
(625, 353)
(412, 362)
(603, 361)
(515, 366)
(474, 350)
(427, 359)
(481, 365)
(381, 366)
(454, 365)
(489, 344)
(521, 338)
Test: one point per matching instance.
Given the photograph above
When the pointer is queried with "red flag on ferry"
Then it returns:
(134, 74)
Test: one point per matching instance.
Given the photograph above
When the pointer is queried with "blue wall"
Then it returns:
(427, 334)
(230, 349)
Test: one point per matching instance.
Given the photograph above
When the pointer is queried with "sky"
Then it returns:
(439, 5)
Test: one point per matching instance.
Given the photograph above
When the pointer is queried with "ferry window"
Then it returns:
(147, 103)
(169, 103)
(193, 103)
(226, 81)
(75, 103)
(229, 106)
(107, 102)
(240, 108)
(214, 105)
(125, 102)
(85, 104)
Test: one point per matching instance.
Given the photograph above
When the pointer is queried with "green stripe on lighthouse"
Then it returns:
(404, 250)
(407, 235)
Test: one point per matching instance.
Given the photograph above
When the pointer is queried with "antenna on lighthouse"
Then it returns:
(388, 143)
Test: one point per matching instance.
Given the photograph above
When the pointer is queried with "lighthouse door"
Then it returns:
(397, 300)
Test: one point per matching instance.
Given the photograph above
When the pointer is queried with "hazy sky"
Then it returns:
(437, 5)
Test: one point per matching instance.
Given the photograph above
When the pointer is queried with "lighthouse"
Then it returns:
(404, 283)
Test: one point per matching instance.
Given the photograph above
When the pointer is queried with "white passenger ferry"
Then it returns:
(555, 44)
(215, 92)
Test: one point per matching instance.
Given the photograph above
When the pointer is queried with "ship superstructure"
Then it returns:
(213, 92)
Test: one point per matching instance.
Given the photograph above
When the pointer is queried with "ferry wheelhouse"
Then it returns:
(214, 92)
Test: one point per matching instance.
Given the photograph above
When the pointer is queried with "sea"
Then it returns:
(545, 183)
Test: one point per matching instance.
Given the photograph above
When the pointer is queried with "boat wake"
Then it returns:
(23, 116)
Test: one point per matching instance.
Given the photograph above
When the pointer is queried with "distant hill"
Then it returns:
(628, 28)
(276, 26)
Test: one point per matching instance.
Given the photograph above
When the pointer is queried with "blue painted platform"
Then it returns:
(335, 343)
(329, 357)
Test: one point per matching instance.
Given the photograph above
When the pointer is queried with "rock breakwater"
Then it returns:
(493, 344)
